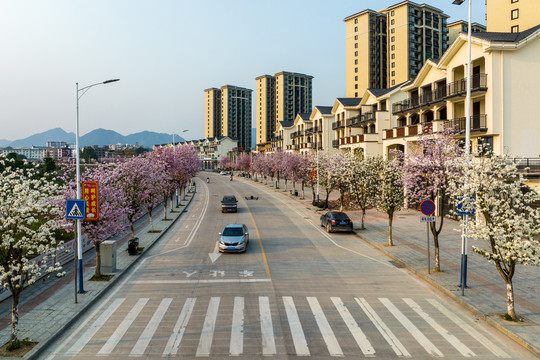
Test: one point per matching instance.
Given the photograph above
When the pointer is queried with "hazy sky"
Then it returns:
(165, 53)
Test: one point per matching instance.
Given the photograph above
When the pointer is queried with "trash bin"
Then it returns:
(295, 192)
(133, 246)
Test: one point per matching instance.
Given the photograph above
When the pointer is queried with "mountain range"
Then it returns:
(95, 137)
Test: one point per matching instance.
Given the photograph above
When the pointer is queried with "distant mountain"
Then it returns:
(41, 139)
(98, 137)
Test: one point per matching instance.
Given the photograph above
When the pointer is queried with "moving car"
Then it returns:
(336, 221)
(229, 204)
(234, 238)
(223, 172)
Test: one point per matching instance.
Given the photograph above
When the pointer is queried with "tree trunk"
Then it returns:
(303, 192)
(510, 309)
(390, 219)
(16, 293)
(97, 248)
(326, 200)
(184, 188)
(172, 197)
(164, 207)
(131, 228)
(149, 209)
(363, 217)
(435, 246)
(341, 199)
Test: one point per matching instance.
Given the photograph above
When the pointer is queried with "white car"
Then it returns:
(222, 173)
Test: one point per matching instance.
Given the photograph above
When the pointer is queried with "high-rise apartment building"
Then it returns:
(280, 98)
(389, 47)
(212, 113)
(512, 15)
(460, 26)
(228, 113)
(366, 56)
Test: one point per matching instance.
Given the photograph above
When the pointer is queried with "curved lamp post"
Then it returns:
(82, 91)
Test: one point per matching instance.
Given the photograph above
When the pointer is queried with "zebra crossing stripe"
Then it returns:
(148, 333)
(497, 351)
(121, 330)
(326, 331)
(386, 333)
(267, 329)
(207, 333)
(355, 330)
(237, 328)
(413, 330)
(92, 330)
(178, 332)
(299, 340)
(461, 347)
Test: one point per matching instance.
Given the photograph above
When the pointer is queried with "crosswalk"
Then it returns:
(300, 326)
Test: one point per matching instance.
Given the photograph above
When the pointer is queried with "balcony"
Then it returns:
(368, 117)
(459, 87)
(340, 124)
(478, 123)
(354, 121)
(335, 143)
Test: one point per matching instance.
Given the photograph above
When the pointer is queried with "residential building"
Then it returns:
(211, 150)
(56, 144)
(298, 135)
(228, 113)
(30, 153)
(280, 98)
(512, 15)
(366, 52)
(321, 131)
(344, 109)
(389, 47)
(212, 113)
(457, 27)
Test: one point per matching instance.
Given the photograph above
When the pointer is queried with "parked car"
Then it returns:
(222, 172)
(336, 221)
(229, 204)
(234, 238)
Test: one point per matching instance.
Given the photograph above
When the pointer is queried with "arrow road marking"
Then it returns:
(216, 254)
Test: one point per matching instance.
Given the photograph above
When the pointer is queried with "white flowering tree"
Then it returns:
(390, 196)
(27, 231)
(505, 219)
(364, 184)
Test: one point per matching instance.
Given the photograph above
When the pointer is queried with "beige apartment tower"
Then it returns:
(228, 113)
(388, 47)
(457, 27)
(280, 98)
(512, 15)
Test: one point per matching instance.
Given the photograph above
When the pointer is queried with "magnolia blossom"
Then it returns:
(390, 197)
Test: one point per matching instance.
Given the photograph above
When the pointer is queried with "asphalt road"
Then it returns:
(297, 291)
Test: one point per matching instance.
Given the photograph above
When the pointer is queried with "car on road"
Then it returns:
(336, 221)
(234, 238)
(229, 204)
(222, 173)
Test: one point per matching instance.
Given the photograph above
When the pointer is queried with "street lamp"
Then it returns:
(82, 91)
(464, 241)
(174, 147)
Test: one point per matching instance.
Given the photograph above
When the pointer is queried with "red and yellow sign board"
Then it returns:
(313, 174)
(90, 194)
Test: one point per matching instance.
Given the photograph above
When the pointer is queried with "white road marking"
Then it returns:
(146, 336)
(93, 329)
(179, 328)
(497, 351)
(121, 330)
(297, 333)
(462, 348)
(237, 329)
(355, 330)
(413, 330)
(216, 254)
(243, 280)
(207, 332)
(267, 329)
(326, 331)
(387, 334)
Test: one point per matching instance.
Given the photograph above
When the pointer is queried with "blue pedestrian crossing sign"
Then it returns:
(75, 209)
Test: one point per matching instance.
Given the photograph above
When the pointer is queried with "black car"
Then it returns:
(336, 221)
(229, 204)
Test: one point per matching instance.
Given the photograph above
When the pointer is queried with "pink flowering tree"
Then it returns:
(188, 165)
(243, 162)
(169, 182)
(225, 162)
(427, 170)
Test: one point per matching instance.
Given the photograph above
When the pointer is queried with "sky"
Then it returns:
(165, 54)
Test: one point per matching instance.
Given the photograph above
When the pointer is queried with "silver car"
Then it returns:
(234, 238)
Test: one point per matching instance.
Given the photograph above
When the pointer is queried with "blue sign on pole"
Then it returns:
(75, 209)
(465, 205)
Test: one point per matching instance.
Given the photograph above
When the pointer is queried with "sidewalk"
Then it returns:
(48, 308)
(485, 294)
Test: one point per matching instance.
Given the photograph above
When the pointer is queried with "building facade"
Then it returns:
(389, 47)
(457, 27)
(228, 113)
(280, 98)
(512, 15)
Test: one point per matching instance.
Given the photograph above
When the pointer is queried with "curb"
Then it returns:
(35, 352)
(494, 323)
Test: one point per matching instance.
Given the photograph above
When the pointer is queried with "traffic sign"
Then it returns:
(75, 209)
(465, 205)
(428, 219)
(427, 207)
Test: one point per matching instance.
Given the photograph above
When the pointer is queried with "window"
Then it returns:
(355, 69)
(356, 86)
(393, 82)
(356, 78)
(515, 14)
(392, 30)
(356, 62)
(355, 28)
(356, 53)
(393, 64)
(514, 1)
(393, 47)
(356, 21)
(393, 38)
(355, 94)
(356, 45)
(393, 73)
(393, 56)
(392, 13)
(392, 22)
(515, 29)
(355, 37)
